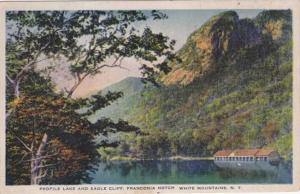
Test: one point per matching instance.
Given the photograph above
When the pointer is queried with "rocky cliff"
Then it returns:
(221, 37)
(233, 89)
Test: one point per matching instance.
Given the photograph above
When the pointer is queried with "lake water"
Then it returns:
(188, 172)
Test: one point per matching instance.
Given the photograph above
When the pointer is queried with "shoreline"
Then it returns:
(125, 158)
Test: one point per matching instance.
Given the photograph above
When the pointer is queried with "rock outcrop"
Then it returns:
(276, 24)
(221, 37)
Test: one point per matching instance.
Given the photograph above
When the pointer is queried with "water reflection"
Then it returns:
(258, 169)
(188, 172)
(248, 165)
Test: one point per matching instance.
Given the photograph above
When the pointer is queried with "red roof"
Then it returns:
(223, 153)
(264, 152)
(245, 152)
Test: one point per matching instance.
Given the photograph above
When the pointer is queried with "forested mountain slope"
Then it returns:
(131, 88)
(233, 89)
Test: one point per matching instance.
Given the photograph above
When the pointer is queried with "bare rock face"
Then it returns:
(220, 37)
(277, 24)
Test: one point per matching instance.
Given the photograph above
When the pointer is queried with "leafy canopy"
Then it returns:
(48, 139)
(88, 40)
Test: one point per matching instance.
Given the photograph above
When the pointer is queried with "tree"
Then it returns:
(111, 36)
(155, 145)
(270, 132)
(48, 140)
(185, 140)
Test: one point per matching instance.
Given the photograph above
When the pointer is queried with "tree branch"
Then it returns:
(42, 157)
(28, 65)
(22, 159)
(10, 79)
(47, 165)
(22, 142)
(80, 79)
(46, 58)
(111, 65)
(41, 176)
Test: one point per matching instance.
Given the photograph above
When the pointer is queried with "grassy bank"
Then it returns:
(190, 158)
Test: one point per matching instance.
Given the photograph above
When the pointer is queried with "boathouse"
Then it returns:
(247, 155)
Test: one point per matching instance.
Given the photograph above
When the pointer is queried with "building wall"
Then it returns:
(273, 156)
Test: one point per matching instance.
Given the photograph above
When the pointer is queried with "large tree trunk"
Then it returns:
(36, 161)
(16, 86)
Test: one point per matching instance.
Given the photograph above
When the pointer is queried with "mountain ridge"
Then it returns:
(131, 88)
(240, 98)
(220, 37)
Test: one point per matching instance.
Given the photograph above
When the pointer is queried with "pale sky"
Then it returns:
(179, 25)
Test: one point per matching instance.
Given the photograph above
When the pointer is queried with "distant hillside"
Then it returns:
(131, 88)
(233, 89)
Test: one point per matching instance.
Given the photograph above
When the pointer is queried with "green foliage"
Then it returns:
(49, 138)
(111, 36)
(154, 145)
(130, 87)
(244, 103)
(283, 144)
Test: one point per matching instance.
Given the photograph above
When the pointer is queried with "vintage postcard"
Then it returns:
(149, 96)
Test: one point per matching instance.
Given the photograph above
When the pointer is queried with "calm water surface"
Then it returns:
(188, 172)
